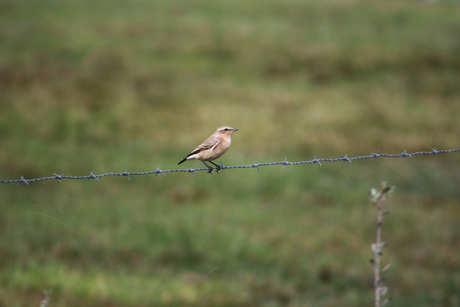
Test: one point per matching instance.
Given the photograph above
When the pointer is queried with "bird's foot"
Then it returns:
(217, 167)
(211, 169)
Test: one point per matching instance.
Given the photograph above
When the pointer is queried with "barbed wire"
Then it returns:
(158, 171)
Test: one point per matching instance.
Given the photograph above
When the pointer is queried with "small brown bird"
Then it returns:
(213, 147)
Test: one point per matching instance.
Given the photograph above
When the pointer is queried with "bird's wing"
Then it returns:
(209, 143)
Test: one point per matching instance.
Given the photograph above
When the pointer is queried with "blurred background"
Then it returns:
(105, 86)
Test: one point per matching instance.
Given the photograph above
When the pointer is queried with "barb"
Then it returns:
(192, 170)
(46, 300)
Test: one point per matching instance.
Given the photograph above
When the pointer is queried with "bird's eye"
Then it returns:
(226, 129)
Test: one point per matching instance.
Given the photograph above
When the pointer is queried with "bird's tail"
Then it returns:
(183, 160)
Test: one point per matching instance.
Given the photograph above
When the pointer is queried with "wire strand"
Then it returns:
(377, 155)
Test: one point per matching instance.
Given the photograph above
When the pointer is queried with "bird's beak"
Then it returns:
(235, 130)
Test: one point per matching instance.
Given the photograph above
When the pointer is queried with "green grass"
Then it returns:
(109, 86)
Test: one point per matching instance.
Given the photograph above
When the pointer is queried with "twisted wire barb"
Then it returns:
(192, 170)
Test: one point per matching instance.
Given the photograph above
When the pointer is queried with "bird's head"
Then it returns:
(226, 130)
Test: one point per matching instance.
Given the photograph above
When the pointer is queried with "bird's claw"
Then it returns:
(218, 168)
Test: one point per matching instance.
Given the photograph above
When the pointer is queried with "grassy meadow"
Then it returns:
(105, 86)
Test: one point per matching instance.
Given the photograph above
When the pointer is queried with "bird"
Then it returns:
(212, 148)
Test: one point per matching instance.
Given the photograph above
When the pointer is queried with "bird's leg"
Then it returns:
(210, 168)
(217, 167)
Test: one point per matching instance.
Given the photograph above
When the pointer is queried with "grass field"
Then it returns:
(99, 86)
